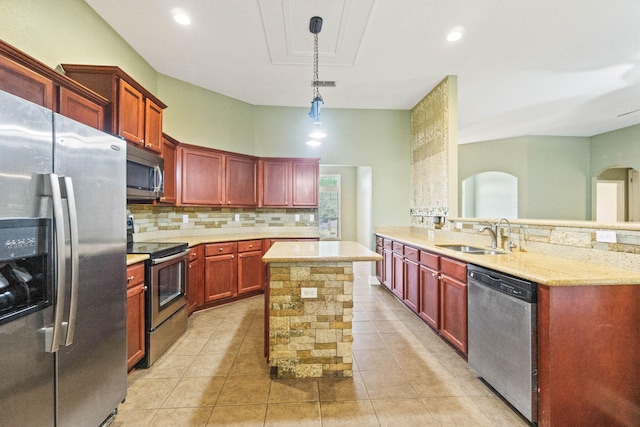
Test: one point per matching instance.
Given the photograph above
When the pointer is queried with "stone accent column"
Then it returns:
(311, 337)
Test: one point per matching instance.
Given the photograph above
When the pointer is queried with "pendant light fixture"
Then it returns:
(315, 25)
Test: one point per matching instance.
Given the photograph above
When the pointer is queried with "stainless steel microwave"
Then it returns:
(145, 174)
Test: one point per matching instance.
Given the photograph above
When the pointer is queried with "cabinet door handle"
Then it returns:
(232, 256)
(434, 274)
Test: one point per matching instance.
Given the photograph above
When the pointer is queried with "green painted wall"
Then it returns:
(553, 172)
(616, 148)
(70, 31)
(202, 117)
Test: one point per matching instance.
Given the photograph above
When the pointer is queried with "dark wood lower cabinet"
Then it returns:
(453, 312)
(220, 274)
(589, 355)
(429, 307)
(251, 275)
(412, 285)
(387, 259)
(135, 314)
(432, 286)
(195, 278)
(397, 282)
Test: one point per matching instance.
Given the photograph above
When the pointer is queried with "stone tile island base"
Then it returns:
(311, 337)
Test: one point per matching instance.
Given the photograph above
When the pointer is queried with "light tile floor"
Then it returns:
(404, 375)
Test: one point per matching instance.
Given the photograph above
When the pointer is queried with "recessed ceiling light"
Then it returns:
(181, 17)
(454, 36)
(313, 143)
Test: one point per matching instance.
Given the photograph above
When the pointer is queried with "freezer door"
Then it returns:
(25, 154)
(92, 369)
(26, 370)
(26, 376)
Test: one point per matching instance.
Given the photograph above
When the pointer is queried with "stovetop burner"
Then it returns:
(156, 249)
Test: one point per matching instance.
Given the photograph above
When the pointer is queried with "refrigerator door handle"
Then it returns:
(52, 189)
(75, 257)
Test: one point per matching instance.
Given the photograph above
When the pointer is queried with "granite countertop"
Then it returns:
(319, 252)
(224, 237)
(136, 258)
(542, 269)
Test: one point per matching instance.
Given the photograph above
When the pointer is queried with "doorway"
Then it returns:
(617, 195)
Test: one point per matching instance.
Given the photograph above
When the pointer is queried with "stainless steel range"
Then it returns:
(166, 298)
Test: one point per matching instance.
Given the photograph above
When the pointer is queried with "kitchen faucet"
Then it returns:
(499, 231)
(493, 230)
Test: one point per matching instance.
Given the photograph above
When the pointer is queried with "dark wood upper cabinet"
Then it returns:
(290, 183)
(26, 77)
(169, 154)
(304, 185)
(134, 113)
(81, 109)
(216, 178)
(200, 174)
(241, 180)
(25, 83)
(276, 183)
(130, 113)
(153, 126)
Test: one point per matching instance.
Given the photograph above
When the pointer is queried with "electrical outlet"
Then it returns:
(297, 217)
(607, 236)
(309, 292)
(431, 234)
(459, 225)
(237, 218)
(311, 217)
(185, 219)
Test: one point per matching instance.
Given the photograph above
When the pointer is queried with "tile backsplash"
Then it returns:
(565, 239)
(152, 222)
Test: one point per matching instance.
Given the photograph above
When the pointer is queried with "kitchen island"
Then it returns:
(588, 322)
(309, 307)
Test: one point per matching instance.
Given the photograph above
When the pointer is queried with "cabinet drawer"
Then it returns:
(135, 275)
(398, 248)
(430, 260)
(386, 243)
(250, 245)
(411, 253)
(453, 268)
(379, 241)
(193, 254)
(219, 249)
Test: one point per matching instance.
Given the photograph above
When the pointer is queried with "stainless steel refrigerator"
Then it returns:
(62, 269)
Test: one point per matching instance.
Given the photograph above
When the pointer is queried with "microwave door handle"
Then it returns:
(158, 179)
(52, 189)
(75, 257)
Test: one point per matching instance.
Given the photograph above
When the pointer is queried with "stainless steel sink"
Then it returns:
(471, 249)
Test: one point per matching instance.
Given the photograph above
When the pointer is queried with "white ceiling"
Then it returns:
(543, 67)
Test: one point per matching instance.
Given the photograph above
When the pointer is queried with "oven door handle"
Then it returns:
(169, 258)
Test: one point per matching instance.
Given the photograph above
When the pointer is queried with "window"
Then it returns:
(329, 207)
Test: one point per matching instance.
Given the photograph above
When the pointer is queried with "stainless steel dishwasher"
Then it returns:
(502, 332)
